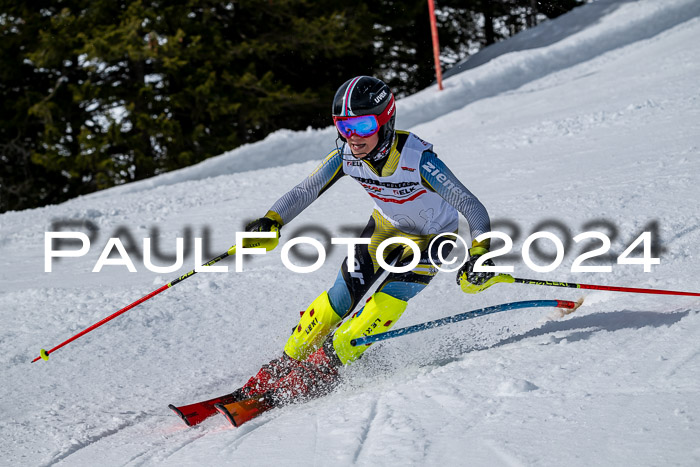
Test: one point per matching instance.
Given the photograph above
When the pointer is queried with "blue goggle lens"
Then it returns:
(363, 126)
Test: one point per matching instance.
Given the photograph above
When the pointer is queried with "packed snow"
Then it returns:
(588, 122)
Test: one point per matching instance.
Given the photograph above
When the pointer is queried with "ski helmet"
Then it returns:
(365, 95)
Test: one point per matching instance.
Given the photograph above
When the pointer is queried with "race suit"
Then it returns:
(416, 196)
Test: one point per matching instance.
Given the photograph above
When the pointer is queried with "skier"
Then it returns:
(416, 197)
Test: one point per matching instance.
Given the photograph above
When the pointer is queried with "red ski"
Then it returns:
(280, 382)
(196, 413)
(239, 412)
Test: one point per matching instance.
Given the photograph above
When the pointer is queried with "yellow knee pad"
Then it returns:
(379, 314)
(315, 324)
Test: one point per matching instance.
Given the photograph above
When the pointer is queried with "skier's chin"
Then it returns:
(359, 152)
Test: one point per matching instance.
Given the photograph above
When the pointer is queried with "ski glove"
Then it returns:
(469, 280)
(467, 272)
(264, 224)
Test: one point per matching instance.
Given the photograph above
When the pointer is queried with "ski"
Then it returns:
(194, 414)
(239, 412)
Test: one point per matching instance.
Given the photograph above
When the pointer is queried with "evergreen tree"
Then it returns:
(38, 110)
(103, 92)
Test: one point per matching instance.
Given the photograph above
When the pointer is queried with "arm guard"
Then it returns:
(442, 181)
(301, 196)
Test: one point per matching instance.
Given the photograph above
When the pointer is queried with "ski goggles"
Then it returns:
(364, 126)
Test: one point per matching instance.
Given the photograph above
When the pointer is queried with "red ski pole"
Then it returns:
(508, 279)
(248, 242)
(604, 287)
(44, 354)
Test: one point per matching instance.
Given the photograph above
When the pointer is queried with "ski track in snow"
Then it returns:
(365, 431)
(588, 120)
(91, 440)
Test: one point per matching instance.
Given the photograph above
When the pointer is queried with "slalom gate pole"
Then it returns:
(506, 278)
(44, 354)
(366, 340)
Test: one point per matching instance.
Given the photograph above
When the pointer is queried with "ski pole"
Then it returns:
(573, 285)
(248, 242)
(568, 305)
(508, 279)
(44, 354)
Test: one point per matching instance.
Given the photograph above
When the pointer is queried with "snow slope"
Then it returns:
(589, 122)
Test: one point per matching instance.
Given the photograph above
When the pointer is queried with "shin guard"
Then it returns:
(315, 324)
(379, 314)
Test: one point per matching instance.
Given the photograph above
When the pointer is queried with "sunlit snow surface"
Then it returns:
(591, 121)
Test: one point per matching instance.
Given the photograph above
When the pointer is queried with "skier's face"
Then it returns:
(360, 147)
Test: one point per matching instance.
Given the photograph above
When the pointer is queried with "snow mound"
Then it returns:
(588, 122)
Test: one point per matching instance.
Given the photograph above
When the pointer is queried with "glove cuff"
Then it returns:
(275, 217)
(480, 248)
(477, 251)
